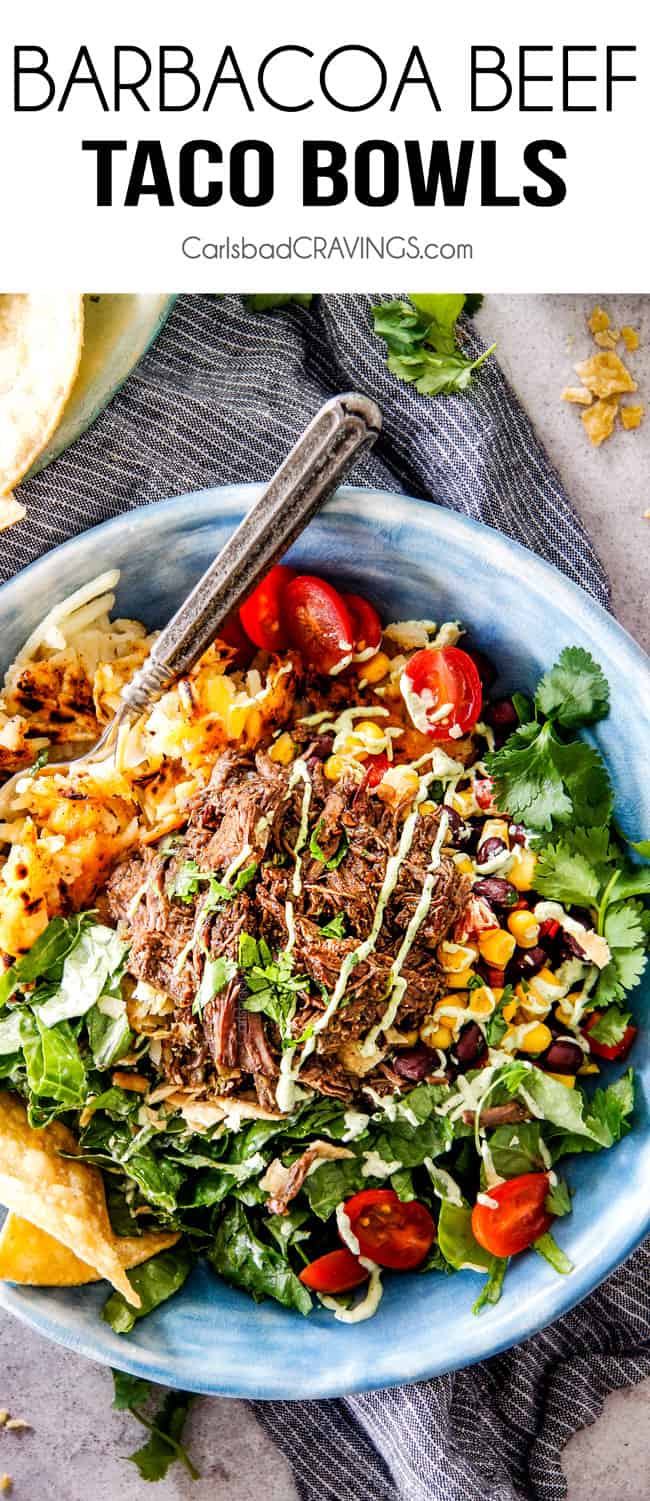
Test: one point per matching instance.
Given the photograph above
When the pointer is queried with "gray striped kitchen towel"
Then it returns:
(222, 396)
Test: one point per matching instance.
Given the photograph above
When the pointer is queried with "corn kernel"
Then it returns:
(495, 828)
(429, 807)
(334, 768)
(521, 872)
(460, 979)
(567, 1079)
(453, 1000)
(374, 670)
(496, 947)
(510, 1011)
(537, 1039)
(463, 864)
(398, 784)
(455, 957)
(399, 1039)
(283, 750)
(370, 731)
(435, 1036)
(563, 1015)
(524, 928)
(482, 1001)
(463, 802)
(589, 1067)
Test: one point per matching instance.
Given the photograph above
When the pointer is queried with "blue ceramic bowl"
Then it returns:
(411, 559)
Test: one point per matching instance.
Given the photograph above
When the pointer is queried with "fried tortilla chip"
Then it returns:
(605, 374)
(630, 338)
(578, 394)
(33, 1257)
(64, 1198)
(41, 338)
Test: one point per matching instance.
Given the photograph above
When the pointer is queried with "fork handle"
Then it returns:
(345, 427)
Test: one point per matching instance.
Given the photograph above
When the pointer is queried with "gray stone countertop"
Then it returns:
(73, 1451)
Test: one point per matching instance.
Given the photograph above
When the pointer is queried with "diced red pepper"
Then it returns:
(610, 1051)
(549, 929)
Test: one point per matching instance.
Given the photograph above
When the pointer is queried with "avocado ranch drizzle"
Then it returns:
(286, 1089)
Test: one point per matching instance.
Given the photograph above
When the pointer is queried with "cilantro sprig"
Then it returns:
(164, 1445)
(422, 341)
(540, 777)
(272, 985)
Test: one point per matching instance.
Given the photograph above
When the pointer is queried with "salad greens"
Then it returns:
(422, 340)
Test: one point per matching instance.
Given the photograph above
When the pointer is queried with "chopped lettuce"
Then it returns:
(240, 1257)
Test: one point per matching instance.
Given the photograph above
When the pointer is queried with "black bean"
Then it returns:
(489, 848)
(529, 961)
(502, 714)
(562, 1057)
(493, 889)
(454, 823)
(415, 1063)
(571, 943)
(517, 833)
(471, 1045)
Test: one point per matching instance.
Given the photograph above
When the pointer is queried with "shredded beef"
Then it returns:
(250, 813)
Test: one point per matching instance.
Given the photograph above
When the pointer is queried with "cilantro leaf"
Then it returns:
(611, 1108)
(611, 1026)
(575, 691)
(319, 854)
(335, 928)
(422, 346)
(558, 1199)
(129, 1391)
(564, 873)
(625, 929)
(164, 1445)
(272, 985)
(217, 973)
(540, 779)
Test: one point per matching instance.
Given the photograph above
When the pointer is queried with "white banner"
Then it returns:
(199, 147)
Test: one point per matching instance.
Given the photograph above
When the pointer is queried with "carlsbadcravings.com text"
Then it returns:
(352, 79)
(321, 248)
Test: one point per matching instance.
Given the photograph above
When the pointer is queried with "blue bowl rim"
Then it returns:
(559, 1296)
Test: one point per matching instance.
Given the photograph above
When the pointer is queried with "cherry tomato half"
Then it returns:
(366, 625)
(233, 633)
(318, 622)
(261, 614)
(334, 1273)
(389, 1231)
(519, 1218)
(437, 676)
(609, 1050)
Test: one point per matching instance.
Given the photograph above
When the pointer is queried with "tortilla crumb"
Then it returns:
(608, 339)
(632, 416)
(6, 1482)
(630, 338)
(4, 1414)
(605, 374)
(599, 420)
(17, 1425)
(578, 394)
(598, 320)
(11, 512)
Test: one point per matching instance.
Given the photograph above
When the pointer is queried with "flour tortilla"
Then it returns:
(41, 339)
(34, 1258)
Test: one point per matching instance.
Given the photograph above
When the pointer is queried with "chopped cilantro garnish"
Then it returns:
(271, 983)
(319, 854)
(335, 928)
(422, 341)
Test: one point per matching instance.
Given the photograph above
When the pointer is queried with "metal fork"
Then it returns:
(341, 431)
